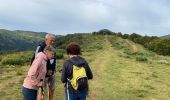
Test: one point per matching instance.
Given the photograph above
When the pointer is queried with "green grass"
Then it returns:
(19, 58)
(117, 74)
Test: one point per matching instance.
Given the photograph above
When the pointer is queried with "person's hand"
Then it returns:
(40, 84)
(49, 72)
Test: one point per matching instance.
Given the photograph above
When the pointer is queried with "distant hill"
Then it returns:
(165, 37)
(19, 40)
(26, 40)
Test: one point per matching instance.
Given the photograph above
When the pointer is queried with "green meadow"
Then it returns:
(122, 69)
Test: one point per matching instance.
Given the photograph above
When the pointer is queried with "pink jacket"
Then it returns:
(36, 72)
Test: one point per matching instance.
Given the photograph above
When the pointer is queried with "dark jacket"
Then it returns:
(51, 64)
(67, 69)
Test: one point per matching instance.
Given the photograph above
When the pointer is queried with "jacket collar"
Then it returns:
(44, 56)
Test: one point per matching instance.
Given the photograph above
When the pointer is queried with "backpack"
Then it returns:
(79, 80)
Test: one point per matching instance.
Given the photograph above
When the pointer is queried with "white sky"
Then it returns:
(145, 17)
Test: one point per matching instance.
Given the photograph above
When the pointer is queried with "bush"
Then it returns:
(19, 58)
(96, 45)
(129, 52)
(0, 58)
(60, 51)
(141, 58)
(11, 61)
(127, 56)
(118, 46)
(162, 62)
(59, 55)
(19, 72)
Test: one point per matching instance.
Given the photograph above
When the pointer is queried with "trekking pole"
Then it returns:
(68, 92)
(49, 91)
(42, 93)
(68, 80)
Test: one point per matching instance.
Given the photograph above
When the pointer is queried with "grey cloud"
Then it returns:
(68, 16)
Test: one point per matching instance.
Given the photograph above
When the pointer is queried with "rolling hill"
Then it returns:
(19, 40)
(165, 37)
(123, 70)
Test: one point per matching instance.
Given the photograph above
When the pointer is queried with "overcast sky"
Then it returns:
(145, 17)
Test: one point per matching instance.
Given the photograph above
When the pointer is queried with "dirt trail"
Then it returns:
(133, 45)
(99, 65)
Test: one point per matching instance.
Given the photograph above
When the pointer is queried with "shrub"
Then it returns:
(60, 51)
(59, 55)
(127, 56)
(162, 62)
(19, 58)
(129, 52)
(0, 58)
(117, 46)
(11, 61)
(19, 72)
(97, 46)
(141, 58)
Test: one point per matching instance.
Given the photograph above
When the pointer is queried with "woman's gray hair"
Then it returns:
(49, 48)
(49, 35)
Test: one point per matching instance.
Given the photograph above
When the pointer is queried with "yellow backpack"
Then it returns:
(79, 80)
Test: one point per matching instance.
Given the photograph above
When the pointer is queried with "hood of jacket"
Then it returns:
(78, 61)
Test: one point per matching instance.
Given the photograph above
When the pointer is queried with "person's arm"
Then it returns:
(33, 71)
(54, 63)
(64, 73)
(88, 71)
(38, 49)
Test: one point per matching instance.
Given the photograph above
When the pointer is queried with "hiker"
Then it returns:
(51, 66)
(36, 74)
(73, 91)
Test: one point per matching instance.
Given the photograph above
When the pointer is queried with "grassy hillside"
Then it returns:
(122, 70)
(19, 40)
(165, 37)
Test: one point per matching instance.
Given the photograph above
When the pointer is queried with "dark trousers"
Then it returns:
(80, 95)
(29, 94)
